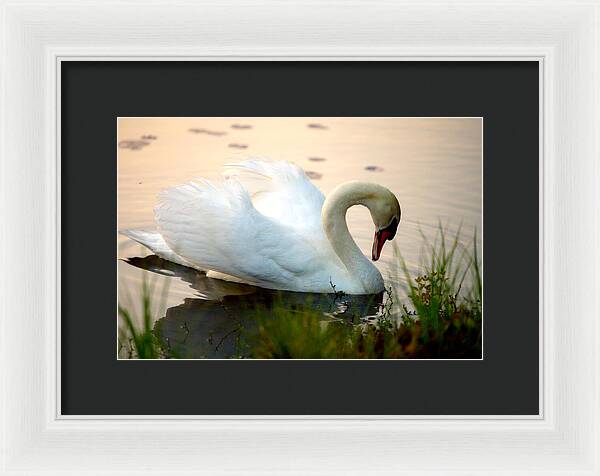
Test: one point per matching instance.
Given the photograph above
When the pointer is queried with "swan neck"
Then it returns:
(334, 211)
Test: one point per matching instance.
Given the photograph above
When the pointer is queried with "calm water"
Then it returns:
(433, 166)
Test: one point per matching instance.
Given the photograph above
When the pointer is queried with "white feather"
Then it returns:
(217, 227)
(280, 190)
(156, 243)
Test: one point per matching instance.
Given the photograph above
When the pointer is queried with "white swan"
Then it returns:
(266, 224)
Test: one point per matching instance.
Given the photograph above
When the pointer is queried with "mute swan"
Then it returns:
(267, 225)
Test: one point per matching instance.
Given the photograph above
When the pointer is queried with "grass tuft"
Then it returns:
(141, 342)
(446, 315)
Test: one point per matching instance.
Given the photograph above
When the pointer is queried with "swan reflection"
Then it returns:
(213, 324)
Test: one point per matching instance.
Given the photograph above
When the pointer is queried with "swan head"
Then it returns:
(381, 202)
(385, 212)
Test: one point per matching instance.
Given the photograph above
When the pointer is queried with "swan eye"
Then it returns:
(390, 230)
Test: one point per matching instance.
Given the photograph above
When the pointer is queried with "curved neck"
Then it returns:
(334, 223)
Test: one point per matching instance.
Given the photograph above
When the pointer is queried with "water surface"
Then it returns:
(434, 167)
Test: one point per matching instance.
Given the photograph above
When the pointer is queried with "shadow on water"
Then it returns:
(214, 324)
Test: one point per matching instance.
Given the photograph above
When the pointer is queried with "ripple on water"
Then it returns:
(197, 130)
(133, 144)
(374, 168)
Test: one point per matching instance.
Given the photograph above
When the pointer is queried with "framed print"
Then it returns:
(324, 240)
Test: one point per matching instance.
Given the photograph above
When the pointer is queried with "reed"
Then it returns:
(446, 300)
(141, 341)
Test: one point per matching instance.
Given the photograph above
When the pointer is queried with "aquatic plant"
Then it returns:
(446, 301)
(308, 333)
(443, 321)
(141, 342)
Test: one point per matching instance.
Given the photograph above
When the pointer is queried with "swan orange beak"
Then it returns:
(378, 241)
(381, 236)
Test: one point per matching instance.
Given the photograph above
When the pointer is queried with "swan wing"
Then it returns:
(156, 243)
(216, 227)
(282, 191)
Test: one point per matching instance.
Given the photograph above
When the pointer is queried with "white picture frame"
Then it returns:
(563, 36)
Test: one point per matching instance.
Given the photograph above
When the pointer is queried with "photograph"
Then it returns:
(299, 238)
